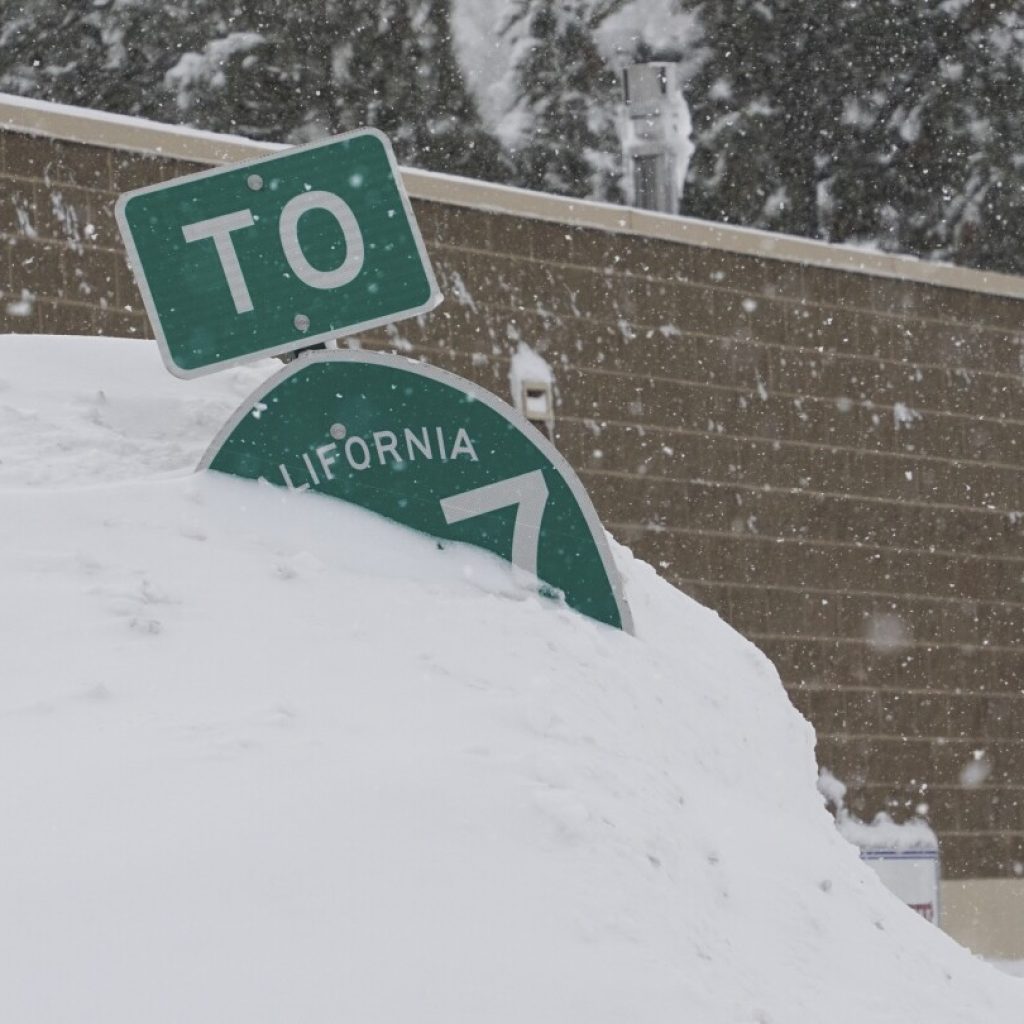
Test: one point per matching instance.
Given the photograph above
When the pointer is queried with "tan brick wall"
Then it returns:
(830, 459)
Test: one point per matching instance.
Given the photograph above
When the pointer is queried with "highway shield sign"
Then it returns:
(431, 451)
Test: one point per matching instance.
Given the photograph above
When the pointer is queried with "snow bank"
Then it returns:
(269, 758)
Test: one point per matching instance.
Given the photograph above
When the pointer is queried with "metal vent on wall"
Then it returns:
(537, 404)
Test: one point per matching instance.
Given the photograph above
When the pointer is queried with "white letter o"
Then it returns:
(351, 443)
(289, 230)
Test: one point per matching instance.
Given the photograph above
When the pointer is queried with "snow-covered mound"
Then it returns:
(267, 758)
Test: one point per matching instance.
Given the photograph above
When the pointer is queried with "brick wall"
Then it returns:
(831, 459)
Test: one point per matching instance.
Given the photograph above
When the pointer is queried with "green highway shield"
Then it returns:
(432, 451)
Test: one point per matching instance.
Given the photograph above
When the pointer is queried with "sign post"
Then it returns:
(276, 254)
(431, 451)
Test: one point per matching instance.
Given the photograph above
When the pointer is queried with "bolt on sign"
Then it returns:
(431, 451)
(276, 254)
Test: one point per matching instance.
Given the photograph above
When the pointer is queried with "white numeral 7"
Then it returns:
(529, 493)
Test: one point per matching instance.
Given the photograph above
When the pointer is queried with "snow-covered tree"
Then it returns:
(399, 73)
(896, 123)
(566, 100)
(314, 69)
(876, 121)
(261, 69)
(104, 54)
(984, 220)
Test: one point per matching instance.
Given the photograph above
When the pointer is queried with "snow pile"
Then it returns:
(269, 758)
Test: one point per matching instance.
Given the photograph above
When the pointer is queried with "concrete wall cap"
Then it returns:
(98, 128)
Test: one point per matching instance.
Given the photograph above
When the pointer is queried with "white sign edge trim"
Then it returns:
(135, 263)
(480, 394)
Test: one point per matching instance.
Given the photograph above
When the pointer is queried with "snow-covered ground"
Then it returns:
(267, 758)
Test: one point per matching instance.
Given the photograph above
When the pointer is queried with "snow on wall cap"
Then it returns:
(75, 124)
(883, 834)
(118, 131)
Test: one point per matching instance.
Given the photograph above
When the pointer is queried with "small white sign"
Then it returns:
(912, 875)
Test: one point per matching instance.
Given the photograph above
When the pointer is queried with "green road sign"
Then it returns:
(276, 254)
(434, 452)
